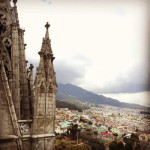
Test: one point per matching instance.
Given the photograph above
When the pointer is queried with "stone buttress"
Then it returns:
(10, 133)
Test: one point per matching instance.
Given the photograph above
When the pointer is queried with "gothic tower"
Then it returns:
(27, 107)
(45, 91)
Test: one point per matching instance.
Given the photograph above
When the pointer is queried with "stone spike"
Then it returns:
(47, 33)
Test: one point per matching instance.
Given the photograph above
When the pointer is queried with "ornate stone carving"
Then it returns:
(4, 23)
(25, 128)
(7, 41)
(5, 56)
(50, 89)
(42, 87)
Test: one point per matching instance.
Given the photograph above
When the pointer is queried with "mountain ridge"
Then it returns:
(72, 92)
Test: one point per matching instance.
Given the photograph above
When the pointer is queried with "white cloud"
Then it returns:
(111, 35)
(142, 98)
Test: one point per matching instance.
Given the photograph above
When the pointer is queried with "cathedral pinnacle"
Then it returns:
(47, 25)
(15, 1)
(47, 34)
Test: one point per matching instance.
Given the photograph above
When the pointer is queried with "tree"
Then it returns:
(90, 123)
(95, 132)
(73, 129)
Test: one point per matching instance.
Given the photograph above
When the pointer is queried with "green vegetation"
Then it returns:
(71, 105)
(73, 130)
(94, 143)
(132, 142)
(85, 142)
(64, 143)
(104, 140)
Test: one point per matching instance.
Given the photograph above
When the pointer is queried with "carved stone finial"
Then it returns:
(31, 66)
(15, 1)
(47, 25)
(28, 72)
(40, 53)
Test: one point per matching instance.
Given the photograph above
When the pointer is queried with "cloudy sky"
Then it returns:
(100, 45)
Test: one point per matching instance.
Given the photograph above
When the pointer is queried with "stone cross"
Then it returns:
(47, 25)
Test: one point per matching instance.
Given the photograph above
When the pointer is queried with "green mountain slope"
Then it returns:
(73, 93)
(71, 105)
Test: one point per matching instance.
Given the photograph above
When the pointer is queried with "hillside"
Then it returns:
(72, 106)
(72, 92)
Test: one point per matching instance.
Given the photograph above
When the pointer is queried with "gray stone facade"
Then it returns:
(27, 107)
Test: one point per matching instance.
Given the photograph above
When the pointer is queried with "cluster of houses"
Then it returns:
(105, 120)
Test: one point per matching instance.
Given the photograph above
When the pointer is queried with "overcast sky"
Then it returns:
(100, 45)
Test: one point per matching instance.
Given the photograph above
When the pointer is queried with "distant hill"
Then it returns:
(72, 106)
(73, 93)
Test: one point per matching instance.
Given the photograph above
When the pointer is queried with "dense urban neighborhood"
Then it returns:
(104, 123)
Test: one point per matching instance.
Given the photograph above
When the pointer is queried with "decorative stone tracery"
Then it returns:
(4, 23)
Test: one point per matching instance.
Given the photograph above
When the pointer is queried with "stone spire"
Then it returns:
(31, 88)
(46, 44)
(45, 92)
(16, 11)
(15, 1)
(47, 33)
(24, 97)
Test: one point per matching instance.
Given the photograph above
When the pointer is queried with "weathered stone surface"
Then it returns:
(8, 145)
(27, 107)
(6, 127)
